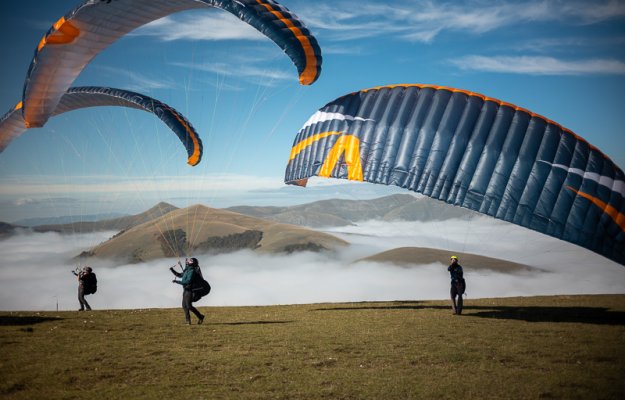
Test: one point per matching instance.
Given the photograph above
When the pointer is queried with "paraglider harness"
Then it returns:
(88, 279)
(461, 286)
(199, 286)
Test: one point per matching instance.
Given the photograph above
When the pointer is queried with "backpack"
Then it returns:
(200, 288)
(90, 283)
(461, 286)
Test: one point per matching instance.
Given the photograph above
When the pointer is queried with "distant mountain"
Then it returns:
(324, 213)
(115, 224)
(332, 213)
(408, 256)
(69, 219)
(7, 230)
(202, 229)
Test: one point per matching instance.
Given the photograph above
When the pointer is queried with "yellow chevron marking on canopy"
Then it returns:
(350, 146)
(309, 141)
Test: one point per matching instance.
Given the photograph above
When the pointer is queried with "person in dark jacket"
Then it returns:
(187, 279)
(86, 281)
(458, 284)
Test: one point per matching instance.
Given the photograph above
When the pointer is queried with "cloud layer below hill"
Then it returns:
(35, 273)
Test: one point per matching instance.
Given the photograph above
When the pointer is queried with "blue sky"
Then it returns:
(564, 60)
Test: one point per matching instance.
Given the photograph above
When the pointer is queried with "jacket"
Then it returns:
(186, 278)
(456, 272)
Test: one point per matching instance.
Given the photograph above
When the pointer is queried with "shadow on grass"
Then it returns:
(14, 320)
(398, 305)
(585, 315)
(252, 323)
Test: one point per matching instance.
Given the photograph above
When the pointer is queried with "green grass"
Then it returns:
(562, 347)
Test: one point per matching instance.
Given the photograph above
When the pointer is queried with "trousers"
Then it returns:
(81, 299)
(187, 305)
(457, 290)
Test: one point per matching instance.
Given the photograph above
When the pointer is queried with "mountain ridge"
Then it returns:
(199, 228)
(168, 231)
(340, 212)
(114, 224)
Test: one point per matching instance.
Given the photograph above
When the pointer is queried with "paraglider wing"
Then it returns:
(471, 151)
(12, 124)
(81, 34)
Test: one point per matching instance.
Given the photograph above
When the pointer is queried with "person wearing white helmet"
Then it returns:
(458, 285)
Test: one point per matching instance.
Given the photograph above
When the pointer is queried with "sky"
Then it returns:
(564, 60)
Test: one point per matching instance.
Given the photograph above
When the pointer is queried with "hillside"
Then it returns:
(202, 229)
(554, 347)
(115, 224)
(408, 256)
(335, 212)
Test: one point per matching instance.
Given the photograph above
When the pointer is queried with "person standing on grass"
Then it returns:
(87, 284)
(188, 277)
(458, 285)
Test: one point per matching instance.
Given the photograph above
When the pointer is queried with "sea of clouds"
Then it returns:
(35, 270)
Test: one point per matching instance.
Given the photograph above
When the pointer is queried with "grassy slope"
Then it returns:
(424, 255)
(536, 347)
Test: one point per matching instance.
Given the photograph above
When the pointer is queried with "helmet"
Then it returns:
(454, 258)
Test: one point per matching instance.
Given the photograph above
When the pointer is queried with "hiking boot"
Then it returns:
(201, 320)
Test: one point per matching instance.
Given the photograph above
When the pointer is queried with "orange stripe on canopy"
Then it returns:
(194, 158)
(618, 217)
(309, 74)
(64, 32)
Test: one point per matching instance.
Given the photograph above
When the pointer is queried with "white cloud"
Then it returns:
(425, 19)
(200, 25)
(539, 65)
(23, 201)
(138, 82)
(259, 74)
(593, 12)
(214, 26)
(59, 196)
(35, 270)
(345, 50)
(94, 184)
